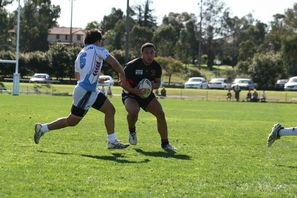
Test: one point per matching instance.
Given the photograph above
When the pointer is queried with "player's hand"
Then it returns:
(136, 91)
(103, 79)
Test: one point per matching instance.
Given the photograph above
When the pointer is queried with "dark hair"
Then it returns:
(92, 36)
(146, 45)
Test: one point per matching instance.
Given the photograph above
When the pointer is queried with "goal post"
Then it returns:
(16, 75)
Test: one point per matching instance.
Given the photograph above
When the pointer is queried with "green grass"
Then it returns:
(221, 151)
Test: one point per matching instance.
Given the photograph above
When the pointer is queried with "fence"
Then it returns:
(172, 93)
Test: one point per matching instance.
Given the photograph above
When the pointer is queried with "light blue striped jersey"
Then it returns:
(88, 64)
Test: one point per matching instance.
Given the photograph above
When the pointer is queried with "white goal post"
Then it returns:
(16, 75)
(8, 61)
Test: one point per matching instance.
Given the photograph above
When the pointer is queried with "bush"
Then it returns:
(266, 69)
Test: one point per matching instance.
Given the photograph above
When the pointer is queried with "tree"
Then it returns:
(266, 69)
(212, 25)
(3, 3)
(144, 15)
(110, 20)
(37, 62)
(138, 36)
(37, 17)
(187, 46)
(5, 40)
(92, 25)
(289, 51)
(60, 61)
(278, 32)
(291, 18)
(170, 66)
(183, 36)
(113, 27)
(165, 37)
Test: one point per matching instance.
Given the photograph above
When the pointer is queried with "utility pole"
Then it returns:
(200, 36)
(71, 22)
(127, 33)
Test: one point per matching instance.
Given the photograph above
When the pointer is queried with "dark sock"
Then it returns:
(132, 130)
(164, 142)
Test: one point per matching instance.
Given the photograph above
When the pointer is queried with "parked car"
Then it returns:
(196, 82)
(219, 83)
(40, 77)
(291, 84)
(105, 80)
(243, 83)
(280, 84)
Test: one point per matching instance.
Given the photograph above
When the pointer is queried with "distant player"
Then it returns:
(278, 131)
(86, 95)
(136, 70)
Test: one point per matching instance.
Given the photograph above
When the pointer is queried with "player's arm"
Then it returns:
(156, 83)
(118, 68)
(77, 76)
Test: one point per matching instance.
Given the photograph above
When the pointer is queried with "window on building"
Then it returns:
(66, 37)
(78, 37)
(58, 36)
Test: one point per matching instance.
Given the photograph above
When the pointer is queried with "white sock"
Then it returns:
(44, 128)
(112, 137)
(288, 131)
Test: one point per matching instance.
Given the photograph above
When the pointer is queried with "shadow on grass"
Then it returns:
(115, 157)
(285, 166)
(163, 154)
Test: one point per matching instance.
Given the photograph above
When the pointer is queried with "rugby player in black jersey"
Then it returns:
(135, 71)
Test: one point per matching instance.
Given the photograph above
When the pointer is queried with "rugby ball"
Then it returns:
(146, 85)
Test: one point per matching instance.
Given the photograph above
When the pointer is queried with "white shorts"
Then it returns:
(84, 99)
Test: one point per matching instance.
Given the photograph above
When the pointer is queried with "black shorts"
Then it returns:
(142, 102)
(81, 112)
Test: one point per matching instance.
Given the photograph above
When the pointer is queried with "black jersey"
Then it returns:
(136, 70)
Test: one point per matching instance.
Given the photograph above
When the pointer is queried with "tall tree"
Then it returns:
(289, 51)
(165, 37)
(184, 26)
(37, 17)
(265, 69)
(144, 15)
(3, 3)
(92, 25)
(5, 40)
(138, 36)
(110, 20)
(212, 25)
(291, 18)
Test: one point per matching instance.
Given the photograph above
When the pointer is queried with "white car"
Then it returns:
(40, 77)
(291, 84)
(196, 82)
(218, 83)
(105, 80)
(243, 83)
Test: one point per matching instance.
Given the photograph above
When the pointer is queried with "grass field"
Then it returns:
(221, 146)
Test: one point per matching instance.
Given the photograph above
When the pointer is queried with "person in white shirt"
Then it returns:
(86, 95)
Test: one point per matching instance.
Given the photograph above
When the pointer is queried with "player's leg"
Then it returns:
(155, 108)
(60, 123)
(41, 129)
(103, 104)
(278, 131)
(288, 131)
(132, 108)
(80, 106)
